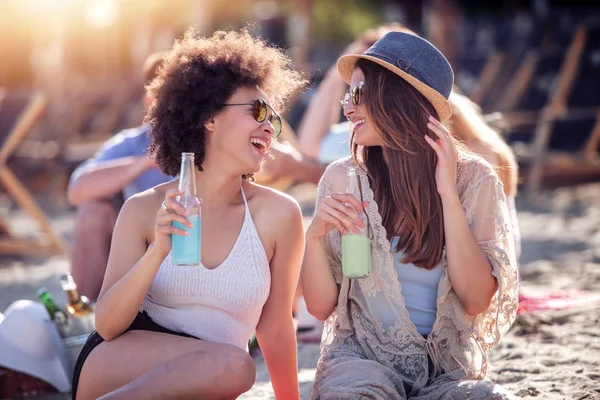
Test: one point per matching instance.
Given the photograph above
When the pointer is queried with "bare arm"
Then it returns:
(107, 178)
(275, 331)
(286, 161)
(469, 269)
(322, 112)
(131, 267)
(323, 109)
(318, 284)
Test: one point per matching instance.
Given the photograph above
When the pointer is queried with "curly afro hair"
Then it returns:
(198, 76)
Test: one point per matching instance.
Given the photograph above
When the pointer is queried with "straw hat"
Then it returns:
(413, 58)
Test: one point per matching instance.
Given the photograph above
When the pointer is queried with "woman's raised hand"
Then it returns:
(169, 212)
(339, 210)
(445, 172)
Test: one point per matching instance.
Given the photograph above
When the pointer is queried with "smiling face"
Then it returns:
(235, 133)
(361, 126)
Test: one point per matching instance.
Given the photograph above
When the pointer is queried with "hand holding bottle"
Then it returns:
(339, 210)
(171, 211)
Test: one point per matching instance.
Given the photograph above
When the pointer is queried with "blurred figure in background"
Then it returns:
(469, 127)
(99, 187)
(321, 135)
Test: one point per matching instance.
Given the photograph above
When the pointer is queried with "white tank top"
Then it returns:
(223, 304)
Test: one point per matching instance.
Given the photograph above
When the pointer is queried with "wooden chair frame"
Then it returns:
(49, 242)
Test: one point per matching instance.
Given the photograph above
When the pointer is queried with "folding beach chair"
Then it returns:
(489, 65)
(568, 126)
(18, 114)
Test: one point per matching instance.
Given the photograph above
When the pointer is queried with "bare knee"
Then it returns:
(235, 371)
(242, 370)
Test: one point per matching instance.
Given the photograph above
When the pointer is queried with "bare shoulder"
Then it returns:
(139, 210)
(272, 202)
(149, 200)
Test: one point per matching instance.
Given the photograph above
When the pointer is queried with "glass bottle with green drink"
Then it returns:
(356, 247)
(186, 249)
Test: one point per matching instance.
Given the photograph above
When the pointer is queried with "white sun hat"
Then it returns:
(29, 343)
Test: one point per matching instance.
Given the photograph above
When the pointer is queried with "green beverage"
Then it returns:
(356, 256)
(356, 247)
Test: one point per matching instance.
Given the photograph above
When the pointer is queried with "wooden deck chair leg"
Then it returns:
(4, 228)
(555, 108)
(590, 152)
(487, 77)
(28, 203)
(51, 242)
(519, 84)
(22, 127)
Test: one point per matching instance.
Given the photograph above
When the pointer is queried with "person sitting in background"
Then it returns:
(321, 135)
(469, 127)
(98, 188)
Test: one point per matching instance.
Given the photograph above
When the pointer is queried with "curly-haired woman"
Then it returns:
(171, 332)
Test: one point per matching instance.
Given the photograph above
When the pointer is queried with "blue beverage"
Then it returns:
(186, 249)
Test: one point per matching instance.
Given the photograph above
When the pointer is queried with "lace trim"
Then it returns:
(458, 342)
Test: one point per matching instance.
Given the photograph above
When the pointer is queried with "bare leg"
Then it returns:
(91, 245)
(151, 365)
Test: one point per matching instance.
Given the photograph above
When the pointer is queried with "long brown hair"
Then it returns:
(469, 126)
(402, 172)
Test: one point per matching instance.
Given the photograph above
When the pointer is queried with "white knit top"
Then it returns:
(223, 304)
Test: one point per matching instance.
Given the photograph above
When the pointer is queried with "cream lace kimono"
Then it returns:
(372, 350)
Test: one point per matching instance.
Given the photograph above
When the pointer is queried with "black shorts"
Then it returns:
(142, 322)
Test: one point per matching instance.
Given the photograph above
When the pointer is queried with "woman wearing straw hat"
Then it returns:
(442, 289)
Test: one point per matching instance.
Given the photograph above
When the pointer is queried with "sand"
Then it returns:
(546, 355)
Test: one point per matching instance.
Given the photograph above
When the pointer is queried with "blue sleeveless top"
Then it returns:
(419, 290)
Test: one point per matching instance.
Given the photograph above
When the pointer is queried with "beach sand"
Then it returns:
(546, 355)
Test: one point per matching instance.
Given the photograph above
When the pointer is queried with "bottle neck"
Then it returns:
(48, 302)
(187, 178)
(73, 296)
(353, 186)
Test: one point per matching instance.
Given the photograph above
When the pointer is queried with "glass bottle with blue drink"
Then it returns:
(356, 247)
(186, 249)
